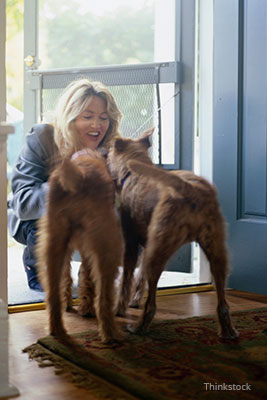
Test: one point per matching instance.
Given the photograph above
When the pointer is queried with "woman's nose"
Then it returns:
(95, 122)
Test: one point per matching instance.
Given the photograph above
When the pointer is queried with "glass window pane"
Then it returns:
(81, 33)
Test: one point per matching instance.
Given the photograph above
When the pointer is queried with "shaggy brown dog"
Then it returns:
(162, 210)
(80, 215)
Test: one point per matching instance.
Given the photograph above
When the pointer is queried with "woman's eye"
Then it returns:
(88, 117)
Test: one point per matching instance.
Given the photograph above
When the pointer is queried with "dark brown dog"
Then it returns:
(80, 215)
(162, 210)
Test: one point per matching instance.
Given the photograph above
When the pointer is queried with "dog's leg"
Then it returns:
(150, 304)
(86, 306)
(140, 285)
(67, 281)
(154, 261)
(213, 244)
(55, 260)
(105, 268)
(130, 260)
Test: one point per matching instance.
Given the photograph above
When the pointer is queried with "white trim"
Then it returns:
(204, 142)
(205, 106)
(3, 136)
(206, 88)
(6, 389)
(164, 49)
(30, 98)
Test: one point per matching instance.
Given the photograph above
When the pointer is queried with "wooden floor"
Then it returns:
(25, 328)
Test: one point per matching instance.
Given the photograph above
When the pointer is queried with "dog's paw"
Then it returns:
(59, 333)
(229, 334)
(120, 311)
(87, 312)
(115, 337)
(134, 304)
(70, 309)
(88, 315)
(136, 329)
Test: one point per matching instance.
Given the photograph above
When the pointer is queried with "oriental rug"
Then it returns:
(176, 359)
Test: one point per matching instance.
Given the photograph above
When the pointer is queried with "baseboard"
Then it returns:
(262, 298)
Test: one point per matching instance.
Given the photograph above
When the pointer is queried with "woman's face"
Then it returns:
(92, 124)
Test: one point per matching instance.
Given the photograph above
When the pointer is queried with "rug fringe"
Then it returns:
(78, 376)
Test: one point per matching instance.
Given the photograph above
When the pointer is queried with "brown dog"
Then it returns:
(162, 210)
(80, 215)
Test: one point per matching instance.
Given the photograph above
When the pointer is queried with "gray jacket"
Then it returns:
(29, 177)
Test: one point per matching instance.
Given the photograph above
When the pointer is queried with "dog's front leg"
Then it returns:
(153, 265)
(148, 314)
(140, 285)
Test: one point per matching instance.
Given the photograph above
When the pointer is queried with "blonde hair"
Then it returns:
(71, 104)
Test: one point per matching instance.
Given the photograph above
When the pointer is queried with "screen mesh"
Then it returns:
(137, 103)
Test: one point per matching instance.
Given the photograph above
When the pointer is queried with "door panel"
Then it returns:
(254, 109)
(240, 93)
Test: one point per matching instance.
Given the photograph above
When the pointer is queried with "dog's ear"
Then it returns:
(145, 138)
(120, 144)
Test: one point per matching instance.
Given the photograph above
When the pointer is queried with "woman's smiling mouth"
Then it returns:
(93, 134)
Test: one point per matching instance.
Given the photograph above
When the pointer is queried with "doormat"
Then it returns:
(176, 359)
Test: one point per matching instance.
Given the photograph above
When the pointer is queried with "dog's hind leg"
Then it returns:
(57, 244)
(86, 288)
(67, 282)
(105, 268)
(213, 244)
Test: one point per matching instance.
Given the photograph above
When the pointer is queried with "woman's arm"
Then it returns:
(29, 178)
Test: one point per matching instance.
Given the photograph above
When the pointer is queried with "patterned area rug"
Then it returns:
(181, 359)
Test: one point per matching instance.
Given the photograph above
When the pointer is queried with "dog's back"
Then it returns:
(81, 190)
(184, 182)
(153, 195)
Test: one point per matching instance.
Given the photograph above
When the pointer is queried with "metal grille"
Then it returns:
(135, 88)
(138, 105)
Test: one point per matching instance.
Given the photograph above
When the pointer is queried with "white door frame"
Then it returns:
(4, 130)
(6, 389)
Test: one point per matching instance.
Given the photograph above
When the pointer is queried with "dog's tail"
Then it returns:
(161, 175)
(89, 177)
(70, 177)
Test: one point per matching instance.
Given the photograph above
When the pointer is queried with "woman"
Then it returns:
(86, 116)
